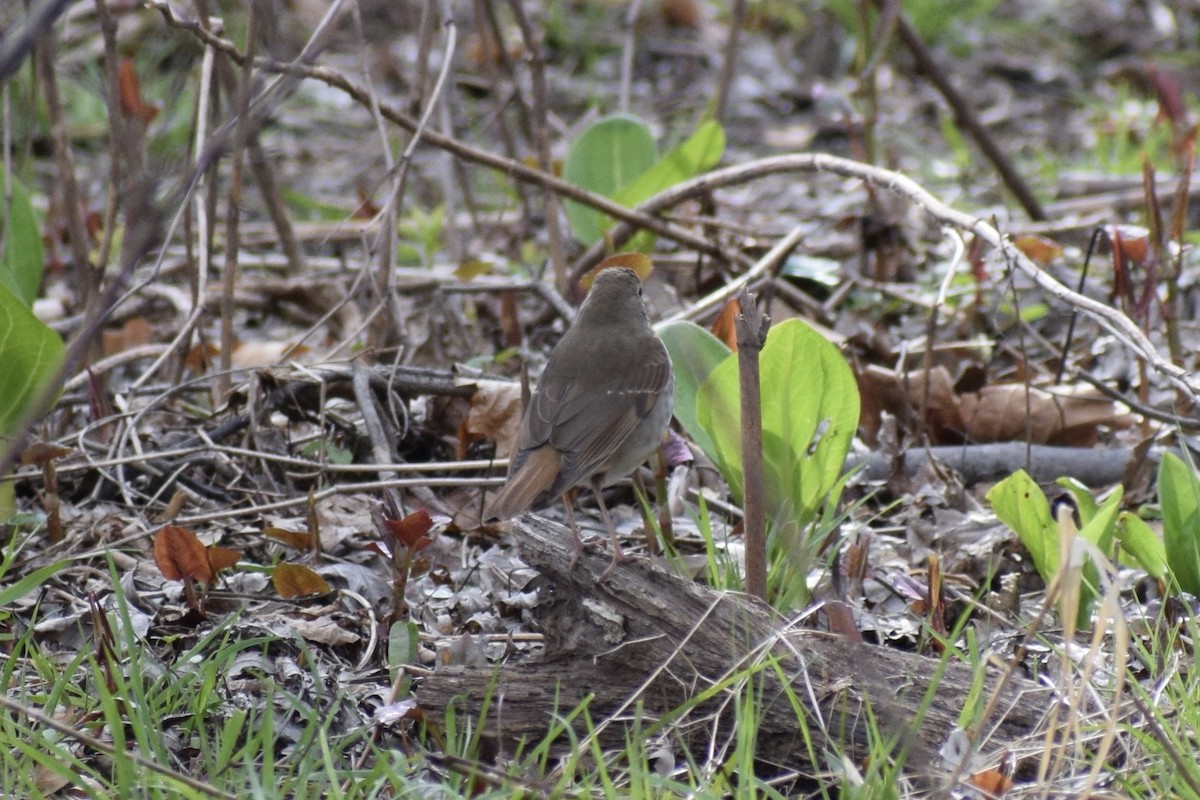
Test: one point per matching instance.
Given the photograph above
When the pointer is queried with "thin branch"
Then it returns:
(737, 18)
(752, 326)
(541, 128)
(965, 116)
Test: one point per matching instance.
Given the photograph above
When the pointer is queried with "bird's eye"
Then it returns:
(639, 290)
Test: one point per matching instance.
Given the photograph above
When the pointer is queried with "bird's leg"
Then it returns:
(618, 555)
(569, 506)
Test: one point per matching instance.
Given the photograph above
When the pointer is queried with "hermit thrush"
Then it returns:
(600, 409)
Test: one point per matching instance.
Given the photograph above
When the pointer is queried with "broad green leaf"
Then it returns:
(810, 409)
(610, 154)
(1179, 494)
(695, 353)
(30, 353)
(1101, 523)
(813, 409)
(1021, 505)
(1141, 542)
(719, 414)
(403, 638)
(1082, 497)
(21, 263)
(699, 153)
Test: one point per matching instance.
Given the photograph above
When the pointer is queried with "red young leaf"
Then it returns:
(130, 94)
(412, 531)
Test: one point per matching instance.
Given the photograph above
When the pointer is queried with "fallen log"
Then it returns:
(646, 647)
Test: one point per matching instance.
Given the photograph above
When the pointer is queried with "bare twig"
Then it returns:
(965, 116)
(513, 168)
(737, 17)
(541, 129)
(19, 39)
(233, 210)
(752, 328)
(1110, 318)
(629, 23)
(72, 198)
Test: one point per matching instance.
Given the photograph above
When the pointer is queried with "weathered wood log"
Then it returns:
(647, 642)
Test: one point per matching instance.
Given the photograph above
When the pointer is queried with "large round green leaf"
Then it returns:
(610, 154)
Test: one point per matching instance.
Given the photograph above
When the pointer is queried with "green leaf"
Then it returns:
(1021, 505)
(810, 409)
(1141, 542)
(1179, 494)
(1082, 497)
(695, 353)
(699, 153)
(1100, 525)
(610, 154)
(31, 582)
(31, 354)
(403, 638)
(22, 261)
(813, 409)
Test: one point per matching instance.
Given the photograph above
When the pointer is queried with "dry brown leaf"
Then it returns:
(510, 321)
(495, 413)
(181, 556)
(134, 333)
(220, 558)
(201, 356)
(301, 540)
(902, 395)
(323, 630)
(1011, 412)
(259, 355)
(41, 453)
(296, 580)
(1038, 248)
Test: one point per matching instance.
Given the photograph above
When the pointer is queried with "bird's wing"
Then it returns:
(586, 426)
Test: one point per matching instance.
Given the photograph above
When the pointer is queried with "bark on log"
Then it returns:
(645, 643)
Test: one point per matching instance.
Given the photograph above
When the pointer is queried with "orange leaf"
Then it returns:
(301, 540)
(181, 556)
(200, 356)
(994, 782)
(220, 558)
(724, 326)
(1038, 248)
(638, 262)
(294, 580)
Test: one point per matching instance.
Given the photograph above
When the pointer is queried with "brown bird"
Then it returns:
(600, 409)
